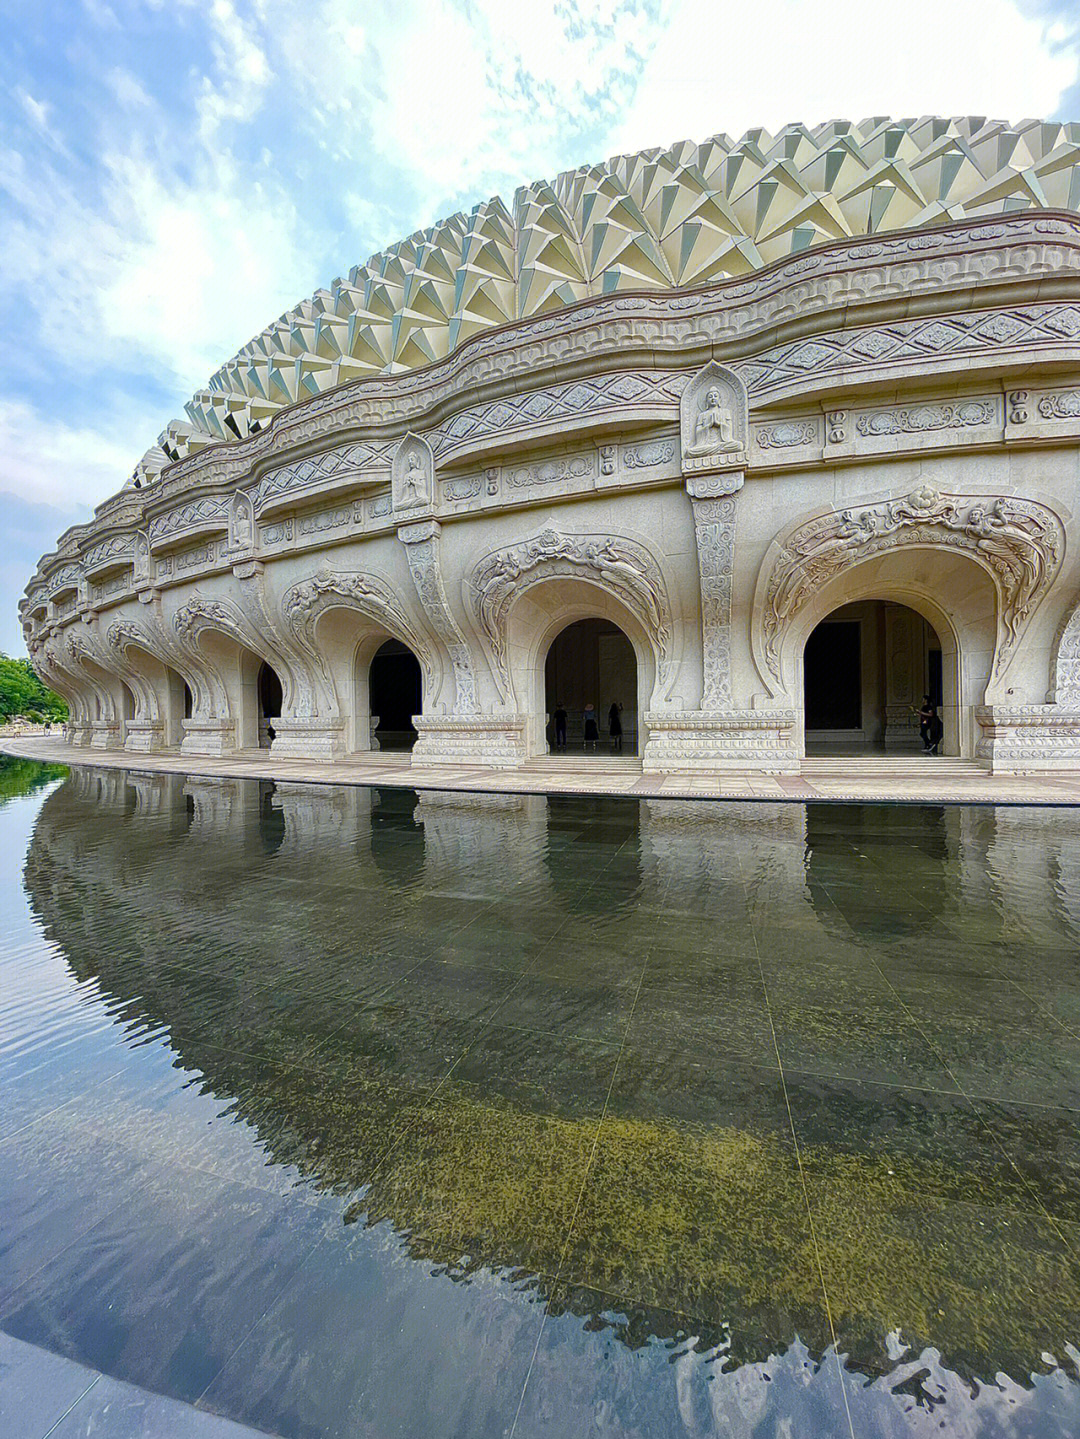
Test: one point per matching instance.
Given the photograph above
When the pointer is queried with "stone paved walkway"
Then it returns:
(915, 778)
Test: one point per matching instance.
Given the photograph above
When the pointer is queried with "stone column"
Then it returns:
(466, 736)
(718, 736)
(714, 505)
(714, 426)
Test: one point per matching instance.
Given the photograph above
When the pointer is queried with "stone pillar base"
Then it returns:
(1028, 739)
(104, 734)
(307, 739)
(730, 741)
(479, 740)
(208, 737)
(144, 736)
(77, 735)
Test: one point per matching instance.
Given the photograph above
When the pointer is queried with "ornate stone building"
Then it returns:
(755, 439)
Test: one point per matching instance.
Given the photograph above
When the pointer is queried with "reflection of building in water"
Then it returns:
(164, 892)
(856, 507)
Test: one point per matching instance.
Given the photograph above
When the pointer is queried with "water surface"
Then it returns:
(347, 1111)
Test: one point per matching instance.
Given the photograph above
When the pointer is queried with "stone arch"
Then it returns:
(63, 675)
(620, 575)
(340, 620)
(1018, 544)
(110, 706)
(201, 619)
(538, 614)
(954, 594)
(146, 677)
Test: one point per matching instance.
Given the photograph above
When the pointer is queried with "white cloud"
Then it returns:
(243, 72)
(45, 461)
(151, 274)
(783, 60)
(465, 99)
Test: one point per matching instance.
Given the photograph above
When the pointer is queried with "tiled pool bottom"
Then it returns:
(358, 1112)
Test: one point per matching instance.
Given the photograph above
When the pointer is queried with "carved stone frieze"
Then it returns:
(1019, 542)
(365, 459)
(649, 455)
(195, 558)
(912, 345)
(918, 419)
(466, 487)
(628, 390)
(550, 472)
(1062, 406)
(320, 522)
(787, 434)
(213, 510)
(620, 565)
(278, 533)
(67, 576)
(109, 551)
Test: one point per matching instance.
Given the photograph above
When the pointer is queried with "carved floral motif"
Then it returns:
(1064, 406)
(919, 418)
(549, 472)
(644, 457)
(786, 434)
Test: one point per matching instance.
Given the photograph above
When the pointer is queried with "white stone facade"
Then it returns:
(715, 470)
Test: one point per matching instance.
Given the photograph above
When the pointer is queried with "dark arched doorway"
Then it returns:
(866, 668)
(270, 698)
(396, 695)
(593, 662)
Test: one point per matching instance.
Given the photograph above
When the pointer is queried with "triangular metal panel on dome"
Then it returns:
(665, 217)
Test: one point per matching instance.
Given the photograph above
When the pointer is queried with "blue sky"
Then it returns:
(176, 173)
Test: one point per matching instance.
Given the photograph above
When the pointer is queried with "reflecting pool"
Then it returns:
(348, 1111)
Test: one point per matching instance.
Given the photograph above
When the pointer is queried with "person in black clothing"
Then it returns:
(930, 727)
(559, 716)
(614, 724)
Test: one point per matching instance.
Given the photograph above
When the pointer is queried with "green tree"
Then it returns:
(22, 693)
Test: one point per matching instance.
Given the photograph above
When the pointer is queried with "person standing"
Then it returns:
(931, 729)
(614, 724)
(592, 729)
(559, 717)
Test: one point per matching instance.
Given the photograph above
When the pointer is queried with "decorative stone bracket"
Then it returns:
(421, 541)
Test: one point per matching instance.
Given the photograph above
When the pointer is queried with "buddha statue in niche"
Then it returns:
(713, 429)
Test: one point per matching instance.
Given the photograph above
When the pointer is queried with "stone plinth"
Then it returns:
(208, 737)
(308, 739)
(761, 741)
(483, 740)
(1028, 739)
